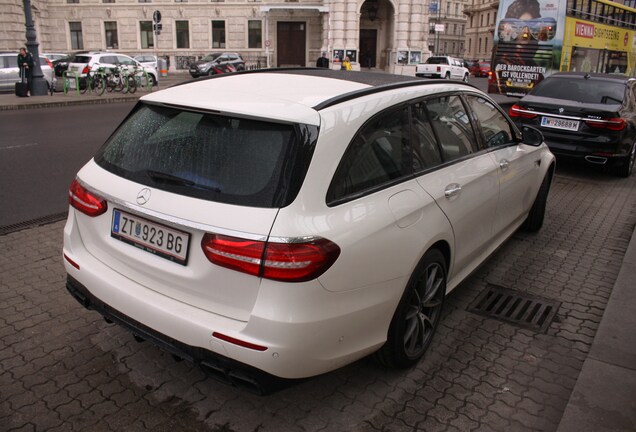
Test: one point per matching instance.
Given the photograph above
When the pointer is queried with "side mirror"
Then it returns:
(531, 136)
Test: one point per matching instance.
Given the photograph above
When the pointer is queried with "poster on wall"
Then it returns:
(415, 57)
(402, 57)
(353, 55)
(338, 55)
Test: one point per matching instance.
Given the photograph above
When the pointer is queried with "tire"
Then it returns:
(84, 84)
(417, 315)
(534, 221)
(465, 78)
(99, 85)
(447, 76)
(627, 167)
(131, 84)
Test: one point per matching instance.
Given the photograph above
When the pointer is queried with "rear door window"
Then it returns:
(495, 129)
(209, 156)
(452, 126)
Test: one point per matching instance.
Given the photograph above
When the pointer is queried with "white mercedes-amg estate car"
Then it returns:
(283, 223)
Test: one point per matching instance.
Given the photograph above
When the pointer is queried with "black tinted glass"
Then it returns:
(594, 91)
(213, 157)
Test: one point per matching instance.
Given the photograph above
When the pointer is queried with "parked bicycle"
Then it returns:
(120, 80)
(95, 81)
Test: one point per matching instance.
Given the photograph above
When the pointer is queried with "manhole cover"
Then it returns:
(522, 309)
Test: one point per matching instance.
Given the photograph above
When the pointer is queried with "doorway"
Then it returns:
(290, 45)
(368, 47)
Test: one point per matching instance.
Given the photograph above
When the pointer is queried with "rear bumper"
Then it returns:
(218, 366)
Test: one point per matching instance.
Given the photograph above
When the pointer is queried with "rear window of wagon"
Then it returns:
(211, 156)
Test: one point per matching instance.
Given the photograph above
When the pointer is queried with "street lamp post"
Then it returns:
(38, 84)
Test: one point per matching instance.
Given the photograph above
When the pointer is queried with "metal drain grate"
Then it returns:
(525, 310)
(8, 229)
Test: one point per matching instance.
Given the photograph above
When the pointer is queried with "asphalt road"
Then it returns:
(41, 150)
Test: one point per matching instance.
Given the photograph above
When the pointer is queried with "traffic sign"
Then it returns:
(156, 16)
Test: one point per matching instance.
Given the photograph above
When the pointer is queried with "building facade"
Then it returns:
(390, 35)
(447, 27)
(480, 28)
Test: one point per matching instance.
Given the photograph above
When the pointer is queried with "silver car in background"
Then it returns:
(10, 72)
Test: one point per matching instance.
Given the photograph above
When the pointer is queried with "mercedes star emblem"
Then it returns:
(143, 196)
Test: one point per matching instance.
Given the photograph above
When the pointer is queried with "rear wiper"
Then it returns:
(161, 176)
(171, 178)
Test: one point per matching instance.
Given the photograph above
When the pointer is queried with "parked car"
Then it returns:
(83, 62)
(343, 239)
(10, 72)
(442, 67)
(217, 63)
(585, 117)
(54, 56)
(480, 69)
(147, 60)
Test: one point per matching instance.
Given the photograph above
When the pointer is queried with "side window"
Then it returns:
(379, 154)
(425, 150)
(452, 126)
(108, 59)
(495, 128)
(125, 61)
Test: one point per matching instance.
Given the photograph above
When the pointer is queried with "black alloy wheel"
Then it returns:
(418, 313)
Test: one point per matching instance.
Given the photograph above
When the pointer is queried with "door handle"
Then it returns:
(503, 164)
(452, 190)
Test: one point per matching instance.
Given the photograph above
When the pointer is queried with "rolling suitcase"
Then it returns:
(21, 88)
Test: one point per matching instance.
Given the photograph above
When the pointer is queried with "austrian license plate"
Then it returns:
(152, 237)
(557, 123)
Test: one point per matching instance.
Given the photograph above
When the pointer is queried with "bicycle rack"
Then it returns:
(71, 75)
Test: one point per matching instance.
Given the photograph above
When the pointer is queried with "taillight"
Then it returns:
(85, 201)
(518, 111)
(288, 262)
(439, 68)
(48, 62)
(614, 124)
(86, 69)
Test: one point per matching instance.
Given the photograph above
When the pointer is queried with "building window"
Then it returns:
(108, 1)
(147, 39)
(183, 34)
(479, 50)
(77, 42)
(254, 34)
(72, 1)
(144, 1)
(110, 29)
(180, 1)
(218, 34)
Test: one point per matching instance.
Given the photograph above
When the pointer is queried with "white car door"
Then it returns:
(465, 186)
(518, 165)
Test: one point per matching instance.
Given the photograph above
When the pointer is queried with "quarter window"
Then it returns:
(378, 155)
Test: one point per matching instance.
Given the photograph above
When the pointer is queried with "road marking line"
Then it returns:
(19, 146)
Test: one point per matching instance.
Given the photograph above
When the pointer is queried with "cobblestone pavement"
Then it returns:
(62, 368)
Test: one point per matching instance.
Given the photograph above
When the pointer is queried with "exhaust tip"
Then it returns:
(598, 160)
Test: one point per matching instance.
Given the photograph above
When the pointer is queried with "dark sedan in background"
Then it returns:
(585, 116)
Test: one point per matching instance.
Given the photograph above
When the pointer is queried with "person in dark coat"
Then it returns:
(323, 61)
(25, 63)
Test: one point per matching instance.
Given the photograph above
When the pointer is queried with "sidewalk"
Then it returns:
(604, 397)
(9, 101)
